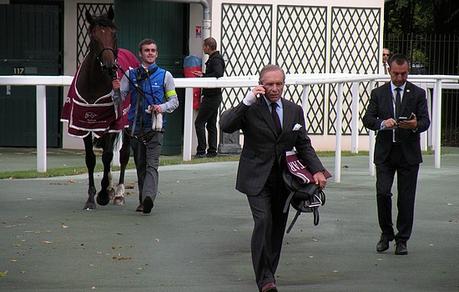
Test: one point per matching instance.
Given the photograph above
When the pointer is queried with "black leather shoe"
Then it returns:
(400, 248)
(211, 154)
(383, 244)
(200, 155)
(147, 205)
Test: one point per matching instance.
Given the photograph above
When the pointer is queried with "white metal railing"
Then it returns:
(431, 82)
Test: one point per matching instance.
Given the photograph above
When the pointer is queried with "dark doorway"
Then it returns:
(30, 44)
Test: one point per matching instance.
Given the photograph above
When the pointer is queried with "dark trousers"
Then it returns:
(406, 189)
(269, 228)
(146, 158)
(207, 119)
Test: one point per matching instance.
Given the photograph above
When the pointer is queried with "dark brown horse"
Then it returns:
(94, 112)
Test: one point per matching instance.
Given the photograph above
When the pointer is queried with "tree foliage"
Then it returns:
(421, 16)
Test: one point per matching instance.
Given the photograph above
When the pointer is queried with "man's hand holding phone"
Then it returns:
(258, 90)
(252, 95)
(408, 122)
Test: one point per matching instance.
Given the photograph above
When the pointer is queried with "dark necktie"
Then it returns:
(398, 105)
(276, 119)
(398, 102)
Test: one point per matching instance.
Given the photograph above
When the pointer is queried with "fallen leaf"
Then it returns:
(3, 274)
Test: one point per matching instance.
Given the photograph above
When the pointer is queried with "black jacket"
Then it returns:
(215, 67)
(380, 108)
(263, 146)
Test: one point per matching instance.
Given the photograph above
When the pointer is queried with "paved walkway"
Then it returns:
(198, 236)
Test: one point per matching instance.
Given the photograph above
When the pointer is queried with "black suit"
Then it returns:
(259, 174)
(402, 155)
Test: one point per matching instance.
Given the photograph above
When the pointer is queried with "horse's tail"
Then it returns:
(98, 142)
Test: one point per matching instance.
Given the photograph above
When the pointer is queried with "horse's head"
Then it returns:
(103, 42)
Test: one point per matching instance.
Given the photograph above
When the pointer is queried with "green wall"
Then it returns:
(167, 24)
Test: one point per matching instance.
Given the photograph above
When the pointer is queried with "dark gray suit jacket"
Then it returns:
(262, 146)
(380, 107)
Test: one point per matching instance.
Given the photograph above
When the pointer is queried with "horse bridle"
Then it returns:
(111, 71)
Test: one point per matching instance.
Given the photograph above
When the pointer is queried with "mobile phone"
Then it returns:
(400, 119)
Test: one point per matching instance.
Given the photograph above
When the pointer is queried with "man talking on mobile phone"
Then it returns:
(271, 125)
(398, 112)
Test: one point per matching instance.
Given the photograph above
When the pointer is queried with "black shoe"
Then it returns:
(383, 244)
(400, 248)
(147, 205)
(211, 154)
(200, 155)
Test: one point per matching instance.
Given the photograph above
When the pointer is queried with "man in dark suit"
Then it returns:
(271, 126)
(398, 111)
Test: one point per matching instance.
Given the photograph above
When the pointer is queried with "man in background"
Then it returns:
(384, 63)
(211, 99)
(398, 111)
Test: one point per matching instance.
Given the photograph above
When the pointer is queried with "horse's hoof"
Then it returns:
(103, 198)
(118, 200)
(89, 206)
(120, 190)
(119, 195)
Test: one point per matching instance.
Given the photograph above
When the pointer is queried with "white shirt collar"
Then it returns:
(393, 86)
(268, 102)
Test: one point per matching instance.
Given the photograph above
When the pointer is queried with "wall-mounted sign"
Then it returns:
(18, 70)
(198, 31)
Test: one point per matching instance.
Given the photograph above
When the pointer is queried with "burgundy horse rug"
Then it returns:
(102, 116)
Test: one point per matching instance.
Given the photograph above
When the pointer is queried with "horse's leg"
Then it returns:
(103, 197)
(90, 164)
(124, 159)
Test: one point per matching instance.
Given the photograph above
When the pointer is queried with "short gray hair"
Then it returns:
(269, 68)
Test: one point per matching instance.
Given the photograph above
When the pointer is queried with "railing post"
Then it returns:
(371, 152)
(437, 123)
(371, 143)
(355, 118)
(188, 124)
(41, 128)
(116, 150)
(338, 125)
(424, 134)
(304, 100)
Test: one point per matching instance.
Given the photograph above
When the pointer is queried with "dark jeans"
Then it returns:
(406, 190)
(207, 119)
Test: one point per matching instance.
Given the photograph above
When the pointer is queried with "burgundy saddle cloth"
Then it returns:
(103, 115)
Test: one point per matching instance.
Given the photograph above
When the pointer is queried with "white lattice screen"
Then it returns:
(299, 44)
